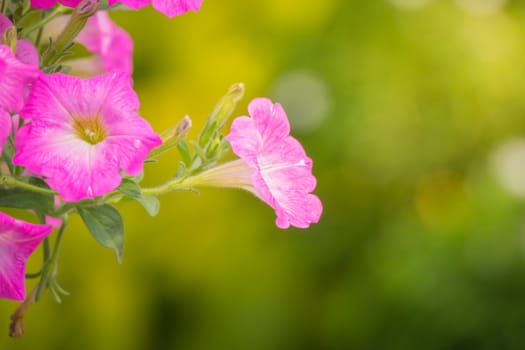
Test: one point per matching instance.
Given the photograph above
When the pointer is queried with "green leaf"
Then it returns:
(129, 188)
(150, 203)
(181, 170)
(25, 199)
(184, 151)
(7, 154)
(105, 224)
(132, 190)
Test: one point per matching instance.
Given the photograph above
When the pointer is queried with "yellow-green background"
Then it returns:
(420, 246)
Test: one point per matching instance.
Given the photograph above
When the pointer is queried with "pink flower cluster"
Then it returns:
(82, 135)
(79, 135)
(170, 8)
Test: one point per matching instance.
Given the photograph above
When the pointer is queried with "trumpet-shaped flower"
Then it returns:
(272, 165)
(282, 173)
(18, 239)
(82, 132)
(170, 8)
(14, 78)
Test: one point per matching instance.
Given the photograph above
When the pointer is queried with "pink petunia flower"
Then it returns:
(82, 132)
(14, 78)
(112, 44)
(272, 165)
(282, 173)
(45, 4)
(26, 52)
(18, 240)
(170, 8)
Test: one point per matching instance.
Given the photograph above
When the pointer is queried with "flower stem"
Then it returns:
(49, 268)
(4, 6)
(57, 11)
(174, 185)
(11, 181)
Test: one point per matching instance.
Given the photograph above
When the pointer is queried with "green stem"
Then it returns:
(47, 252)
(57, 11)
(38, 38)
(47, 249)
(33, 275)
(49, 268)
(10, 181)
(58, 241)
(175, 185)
(4, 6)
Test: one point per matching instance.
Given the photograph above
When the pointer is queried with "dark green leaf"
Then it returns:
(25, 199)
(129, 188)
(105, 224)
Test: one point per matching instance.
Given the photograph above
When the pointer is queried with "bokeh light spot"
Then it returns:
(508, 164)
(410, 4)
(481, 7)
(305, 97)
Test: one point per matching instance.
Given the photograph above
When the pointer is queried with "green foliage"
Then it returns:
(105, 224)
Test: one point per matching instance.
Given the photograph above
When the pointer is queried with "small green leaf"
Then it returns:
(181, 170)
(208, 132)
(105, 224)
(150, 203)
(184, 151)
(7, 154)
(25, 199)
(129, 188)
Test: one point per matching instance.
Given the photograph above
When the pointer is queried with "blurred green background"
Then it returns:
(414, 114)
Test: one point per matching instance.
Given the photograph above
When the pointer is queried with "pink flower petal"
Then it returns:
(5, 23)
(50, 144)
(70, 3)
(114, 45)
(18, 240)
(282, 176)
(45, 4)
(172, 8)
(134, 4)
(14, 78)
(27, 53)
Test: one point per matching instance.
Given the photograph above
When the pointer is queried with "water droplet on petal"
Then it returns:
(90, 191)
(137, 143)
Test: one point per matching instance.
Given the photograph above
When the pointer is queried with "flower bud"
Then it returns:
(221, 113)
(224, 109)
(182, 129)
(10, 38)
(77, 21)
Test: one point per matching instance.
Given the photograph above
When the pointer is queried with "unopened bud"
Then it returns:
(226, 105)
(182, 129)
(221, 113)
(77, 21)
(172, 138)
(86, 8)
(10, 38)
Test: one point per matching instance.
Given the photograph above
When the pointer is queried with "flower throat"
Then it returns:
(90, 129)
